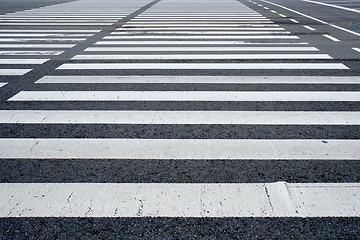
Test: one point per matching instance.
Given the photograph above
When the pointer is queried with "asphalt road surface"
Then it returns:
(179, 119)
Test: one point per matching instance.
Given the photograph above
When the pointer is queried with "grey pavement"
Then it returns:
(174, 119)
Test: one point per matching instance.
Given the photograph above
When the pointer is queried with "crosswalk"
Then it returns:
(192, 66)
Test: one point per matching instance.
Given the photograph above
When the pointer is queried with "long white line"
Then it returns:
(13, 72)
(3, 84)
(183, 96)
(203, 79)
(188, 49)
(201, 28)
(23, 61)
(198, 32)
(62, 21)
(199, 25)
(318, 20)
(43, 35)
(37, 53)
(181, 149)
(201, 56)
(42, 39)
(254, 21)
(174, 42)
(56, 24)
(334, 6)
(37, 45)
(195, 66)
(201, 37)
(278, 199)
(179, 117)
(53, 30)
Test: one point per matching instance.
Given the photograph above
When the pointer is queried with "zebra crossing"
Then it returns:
(200, 65)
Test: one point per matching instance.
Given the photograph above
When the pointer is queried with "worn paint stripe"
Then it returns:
(179, 117)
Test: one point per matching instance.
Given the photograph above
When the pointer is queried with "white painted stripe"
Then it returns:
(293, 20)
(273, 11)
(62, 21)
(282, 15)
(278, 199)
(174, 42)
(310, 28)
(43, 35)
(331, 38)
(203, 79)
(334, 6)
(30, 53)
(203, 56)
(56, 24)
(201, 37)
(200, 25)
(42, 39)
(318, 20)
(181, 149)
(202, 28)
(37, 45)
(183, 96)
(201, 21)
(157, 18)
(179, 117)
(356, 49)
(23, 61)
(197, 32)
(3, 84)
(202, 66)
(53, 30)
(13, 72)
(188, 49)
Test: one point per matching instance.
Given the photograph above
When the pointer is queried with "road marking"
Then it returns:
(318, 20)
(225, 18)
(55, 24)
(334, 6)
(293, 20)
(253, 21)
(174, 42)
(3, 84)
(37, 45)
(278, 199)
(201, 37)
(273, 11)
(179, 117)
(13, 72)
(197, 32)
(78, 66)
(203, 56)
(356, 49)
(282, 15)
(201, 28)
(42, 30)
(310, 28)
(331, 38)
(207, 24)
(23, 61)
(43, 35)
(184, 96)
(180, 149)
(42, 39)
(188, 49)
(203, 79)
(266, 8)
(22, 53)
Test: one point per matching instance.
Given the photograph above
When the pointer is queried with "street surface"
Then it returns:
(179, 119)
